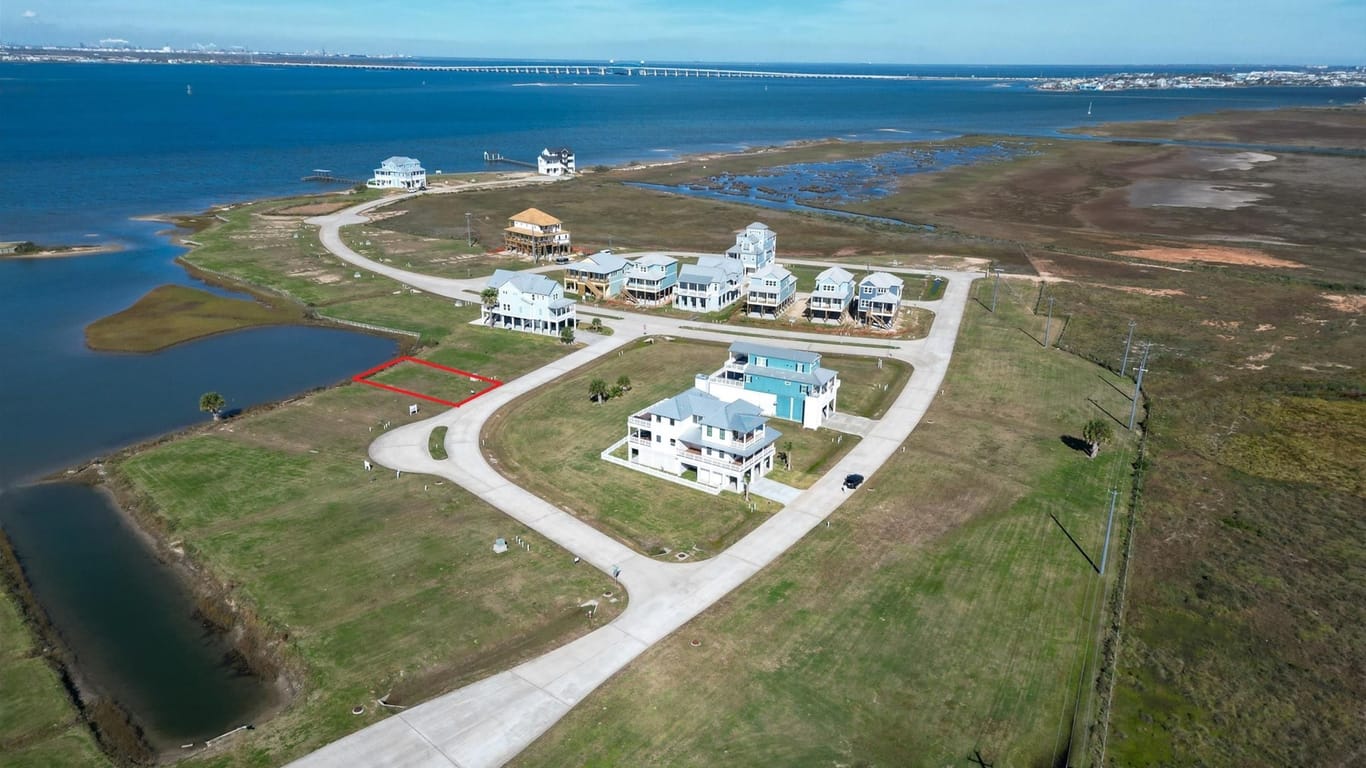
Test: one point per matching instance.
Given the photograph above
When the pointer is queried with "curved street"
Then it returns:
(489, 722)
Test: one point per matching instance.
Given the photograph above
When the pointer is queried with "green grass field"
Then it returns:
(380, 584)
(943, 611)
(171, 314)
(440, 256)
(1244, 619)
(38, 727)
(549, 442)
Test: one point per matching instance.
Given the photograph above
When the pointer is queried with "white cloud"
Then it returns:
(30, 14)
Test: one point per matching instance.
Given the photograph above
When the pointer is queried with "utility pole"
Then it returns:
(469, 237)
(1109, 523)
(1138, 384)
(995, 289)
(1049, 324)
(1124, 366)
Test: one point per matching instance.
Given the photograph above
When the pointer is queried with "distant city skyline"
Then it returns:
(1105, 32)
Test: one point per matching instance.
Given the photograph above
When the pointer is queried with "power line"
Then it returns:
(1138, 384)
(1124, 366)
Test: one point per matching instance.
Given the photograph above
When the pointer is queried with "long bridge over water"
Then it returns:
(619, 70)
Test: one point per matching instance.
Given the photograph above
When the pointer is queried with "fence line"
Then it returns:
(370, 326)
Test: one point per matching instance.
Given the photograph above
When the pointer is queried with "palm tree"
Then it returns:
(787, 454)
(1096, 433)
(598, 391)
(490, 296)
(567, 334)
(624, 382)
(212, 402)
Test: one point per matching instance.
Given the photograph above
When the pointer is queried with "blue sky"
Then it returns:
(891, 31)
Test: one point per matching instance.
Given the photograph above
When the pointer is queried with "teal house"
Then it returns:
(786, 383)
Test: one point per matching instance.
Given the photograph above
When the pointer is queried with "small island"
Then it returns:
(174, 314)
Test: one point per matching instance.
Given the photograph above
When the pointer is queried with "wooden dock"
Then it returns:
(496, 157)
(327, 177)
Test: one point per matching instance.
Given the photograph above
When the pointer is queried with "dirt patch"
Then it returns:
(313, 209)
(1149, 291)
(1242, 257)
(1354, 305)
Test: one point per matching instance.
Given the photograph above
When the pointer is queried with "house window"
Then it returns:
(708, 431)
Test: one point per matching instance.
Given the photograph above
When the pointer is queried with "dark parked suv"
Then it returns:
(853, 481)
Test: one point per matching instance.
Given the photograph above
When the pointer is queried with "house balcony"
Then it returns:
(692, 455)
(642, 422)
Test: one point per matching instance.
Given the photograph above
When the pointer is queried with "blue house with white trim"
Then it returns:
(879, 299)
(786, 383)
(771, 290)
(833, 294)
(650, 279)
(710, 285)
(601, 275)
(756, 246)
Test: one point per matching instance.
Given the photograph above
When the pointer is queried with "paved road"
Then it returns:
(489, 722)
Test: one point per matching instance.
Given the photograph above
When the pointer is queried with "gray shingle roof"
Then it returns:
(655, 260)
(600, 264)
(835, 275)
(710, 269)
(881, 280)
(524, 281)
(740, 415)
(782, 353)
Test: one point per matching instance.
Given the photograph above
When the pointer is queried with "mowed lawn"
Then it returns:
(549, 442)
(943, 611)
(375, 584)
(38, 727)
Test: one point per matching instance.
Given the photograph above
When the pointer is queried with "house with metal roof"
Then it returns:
(879, 299)
(786, 383)
(725, 444)
(555, 162)
(756, 246)
(771, 290)
(399, 173)
(535, 233)
(651, 278)
(832, 296)
(601, 275)
(528, 302)
(710, 285)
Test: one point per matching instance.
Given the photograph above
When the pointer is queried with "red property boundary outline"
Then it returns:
(364, 378)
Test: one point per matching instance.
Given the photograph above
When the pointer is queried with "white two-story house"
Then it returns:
(530, 303)
(710, 285)
(399, 173)
(555, 162)
(756, 246)
(727, 445)
(831, 298)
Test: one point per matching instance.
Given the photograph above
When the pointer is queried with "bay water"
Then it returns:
(84, 148)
